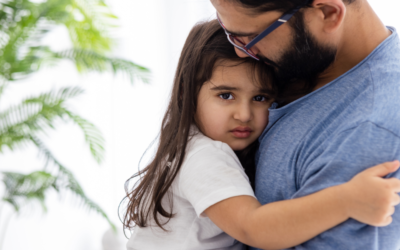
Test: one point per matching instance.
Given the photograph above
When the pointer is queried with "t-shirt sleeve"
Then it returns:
(346, 155)
(211, 175)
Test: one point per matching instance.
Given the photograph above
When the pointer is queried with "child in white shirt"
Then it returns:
(195, 194)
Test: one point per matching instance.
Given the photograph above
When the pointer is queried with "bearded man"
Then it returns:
(337, 72)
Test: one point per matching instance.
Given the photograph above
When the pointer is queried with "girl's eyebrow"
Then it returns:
(229, 88)
(224, 87)
(264, 91)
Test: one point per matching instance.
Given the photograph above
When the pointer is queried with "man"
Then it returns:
(337, 70)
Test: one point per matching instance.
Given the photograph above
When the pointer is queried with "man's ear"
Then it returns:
(330, 13)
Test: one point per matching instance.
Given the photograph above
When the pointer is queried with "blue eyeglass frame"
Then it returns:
(246, 47)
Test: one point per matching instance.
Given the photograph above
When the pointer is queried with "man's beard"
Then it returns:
(303, 61)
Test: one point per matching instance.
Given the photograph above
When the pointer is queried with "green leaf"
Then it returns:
(92, 61)
(66, 180)
(23, 26)
(21, 189)
(35, 115)
(88, 24)
(92, 136)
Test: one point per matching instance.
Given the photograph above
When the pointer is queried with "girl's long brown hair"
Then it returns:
(205, 45)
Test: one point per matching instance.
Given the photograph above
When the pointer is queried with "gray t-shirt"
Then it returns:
(330, 135)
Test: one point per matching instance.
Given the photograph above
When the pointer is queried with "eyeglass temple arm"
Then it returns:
(274, 26)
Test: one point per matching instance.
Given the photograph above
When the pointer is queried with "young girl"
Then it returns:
(195, 193)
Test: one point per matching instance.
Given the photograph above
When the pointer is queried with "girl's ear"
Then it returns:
(327, 14)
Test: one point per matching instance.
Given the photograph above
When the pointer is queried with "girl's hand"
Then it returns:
(371, 199)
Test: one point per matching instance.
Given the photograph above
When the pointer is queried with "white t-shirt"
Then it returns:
(210, 173)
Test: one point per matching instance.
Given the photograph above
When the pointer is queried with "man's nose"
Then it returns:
(241, 54)
(255, 50)
(243, 113)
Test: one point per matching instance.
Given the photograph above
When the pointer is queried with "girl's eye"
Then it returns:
(226, 96)
(259, 98)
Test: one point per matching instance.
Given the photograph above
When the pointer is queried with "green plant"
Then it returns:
(23, 25)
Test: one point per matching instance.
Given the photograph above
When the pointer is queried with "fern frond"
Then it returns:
(2, 87)
(34, 115)
(55, 97)
(68, 181)
(90, 60)
(89, 24)
(21, 188)
(92, 135)
(18, 121)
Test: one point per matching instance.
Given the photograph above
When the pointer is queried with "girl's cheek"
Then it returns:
(263, 121)
(266, 116)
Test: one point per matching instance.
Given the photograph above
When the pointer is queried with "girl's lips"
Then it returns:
(242, 132)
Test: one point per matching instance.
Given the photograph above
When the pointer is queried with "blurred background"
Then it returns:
(74, 123)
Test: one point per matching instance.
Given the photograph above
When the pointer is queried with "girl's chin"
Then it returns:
(239, 146)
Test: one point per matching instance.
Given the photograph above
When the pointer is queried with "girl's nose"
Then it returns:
(243, 113)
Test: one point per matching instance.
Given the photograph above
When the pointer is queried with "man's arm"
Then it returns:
(346, 155)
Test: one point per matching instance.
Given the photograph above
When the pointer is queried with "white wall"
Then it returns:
(151, 33)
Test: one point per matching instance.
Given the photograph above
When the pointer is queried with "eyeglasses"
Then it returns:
(246, 48)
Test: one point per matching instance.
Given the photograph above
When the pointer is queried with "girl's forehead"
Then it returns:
(233, 73)
(233, 69)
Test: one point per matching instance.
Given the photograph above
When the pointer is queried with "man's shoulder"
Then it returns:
(385, 82)
(384, 66)
(377, 89)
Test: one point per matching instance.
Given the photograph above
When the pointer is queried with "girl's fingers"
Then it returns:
(395, 200)
(394, 184)
(388, 220)
(383, 169)
(391, 211)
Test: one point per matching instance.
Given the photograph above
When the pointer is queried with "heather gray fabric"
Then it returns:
(330, 135)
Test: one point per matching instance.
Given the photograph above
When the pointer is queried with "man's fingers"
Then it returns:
(384, 169)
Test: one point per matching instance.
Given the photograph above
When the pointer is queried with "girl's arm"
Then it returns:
(367, 198)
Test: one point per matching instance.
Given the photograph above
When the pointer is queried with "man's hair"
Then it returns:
(260, 6)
